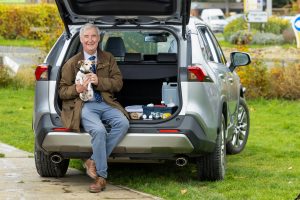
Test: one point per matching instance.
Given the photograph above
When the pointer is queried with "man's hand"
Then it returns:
(93, 78)
(82, 87)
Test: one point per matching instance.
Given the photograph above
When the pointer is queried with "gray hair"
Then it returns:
(88, 26)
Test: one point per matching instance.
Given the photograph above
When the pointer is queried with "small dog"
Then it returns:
(85, 68)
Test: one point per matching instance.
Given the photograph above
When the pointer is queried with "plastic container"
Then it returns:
(170, 93)
(158, 112)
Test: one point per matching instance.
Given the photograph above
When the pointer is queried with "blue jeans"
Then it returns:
(103, 142)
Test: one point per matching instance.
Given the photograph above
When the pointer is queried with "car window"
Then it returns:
(212, 48)
(135, 41)
(55, 53)
(209, 46)
(219, 49)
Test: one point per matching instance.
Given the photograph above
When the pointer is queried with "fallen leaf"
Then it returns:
(290, 168)
(183, 191)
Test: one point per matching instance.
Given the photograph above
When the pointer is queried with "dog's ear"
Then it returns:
(80, 62)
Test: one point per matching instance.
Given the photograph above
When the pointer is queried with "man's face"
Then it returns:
(90, 40)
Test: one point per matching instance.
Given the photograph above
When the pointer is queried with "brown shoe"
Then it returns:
(90, 168)
(98, 186)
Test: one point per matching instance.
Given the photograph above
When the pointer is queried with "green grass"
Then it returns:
(20, 42)
(268, 168)
(16, 118)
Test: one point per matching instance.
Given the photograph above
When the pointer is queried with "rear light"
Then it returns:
(41, 72)
(169, 131)
(61, 129)
(197, 73)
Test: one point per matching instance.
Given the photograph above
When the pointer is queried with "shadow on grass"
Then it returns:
(151, 172)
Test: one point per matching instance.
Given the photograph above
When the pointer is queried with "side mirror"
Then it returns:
(239, 59)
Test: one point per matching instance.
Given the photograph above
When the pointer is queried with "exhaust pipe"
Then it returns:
(181, 161)
(56, 158)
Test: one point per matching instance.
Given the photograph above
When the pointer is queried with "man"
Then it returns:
(89, 115)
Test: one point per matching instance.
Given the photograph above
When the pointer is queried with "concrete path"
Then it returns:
(19, 180)
(16, 58)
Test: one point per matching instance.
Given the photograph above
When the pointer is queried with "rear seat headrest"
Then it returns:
(115, 45)
(166, 57)
(133, 57)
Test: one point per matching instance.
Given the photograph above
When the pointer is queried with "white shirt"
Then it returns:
(87, 56)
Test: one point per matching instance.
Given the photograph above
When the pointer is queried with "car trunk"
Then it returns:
(151, 82)
(147, 79)
(143, 78)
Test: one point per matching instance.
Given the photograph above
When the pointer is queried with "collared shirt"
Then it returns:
(86, 55)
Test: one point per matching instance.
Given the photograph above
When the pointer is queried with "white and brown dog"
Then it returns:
(85, 68)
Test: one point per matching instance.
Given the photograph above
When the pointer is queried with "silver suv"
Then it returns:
(185, 100)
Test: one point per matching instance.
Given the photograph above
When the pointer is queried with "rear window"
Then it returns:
(145, 42)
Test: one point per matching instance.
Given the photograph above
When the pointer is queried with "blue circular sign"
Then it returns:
(297, 23)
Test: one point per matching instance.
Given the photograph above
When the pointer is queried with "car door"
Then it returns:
(229, 81)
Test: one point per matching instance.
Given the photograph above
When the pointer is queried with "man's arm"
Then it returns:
(114, 82)
(67, 87)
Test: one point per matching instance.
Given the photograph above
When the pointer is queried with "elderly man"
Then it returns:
(105, 79)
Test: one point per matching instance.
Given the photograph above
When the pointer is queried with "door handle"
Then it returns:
(221, 76)
(230, 80)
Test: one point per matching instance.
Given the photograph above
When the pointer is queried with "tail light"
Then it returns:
(61, 129)
(169, 131)
(41, 72)
(198, 73)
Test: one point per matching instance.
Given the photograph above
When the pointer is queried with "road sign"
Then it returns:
(253, 5)
(296, 27)
(257, 16)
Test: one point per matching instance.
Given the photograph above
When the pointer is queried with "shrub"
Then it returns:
(30, 21)
(267, 38)
(24, 79)
(255, 78)
(289, 36)
(274, 25)
(241, 38)
(5, 78)
(234, 26)
(285, 82)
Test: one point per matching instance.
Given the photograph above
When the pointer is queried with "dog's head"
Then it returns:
(86, 66)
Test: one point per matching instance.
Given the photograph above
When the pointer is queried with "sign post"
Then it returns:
(254, 12)
(296, 27)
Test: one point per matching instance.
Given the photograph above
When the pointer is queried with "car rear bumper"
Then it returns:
(141, 139)
(132, 143)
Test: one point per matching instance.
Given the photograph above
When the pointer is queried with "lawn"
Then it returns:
(20, 43)
(268, 168)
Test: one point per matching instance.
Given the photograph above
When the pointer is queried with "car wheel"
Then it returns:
(46, 168)
(211, 167)
(241, 130)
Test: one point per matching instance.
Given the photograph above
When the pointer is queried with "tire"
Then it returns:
(46, 168)
(241, 130)
(212, 167)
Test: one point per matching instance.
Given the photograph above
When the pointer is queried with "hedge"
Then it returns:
(236, 32)
(30, 21)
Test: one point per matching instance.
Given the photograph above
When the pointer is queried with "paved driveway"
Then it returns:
(19, 180)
